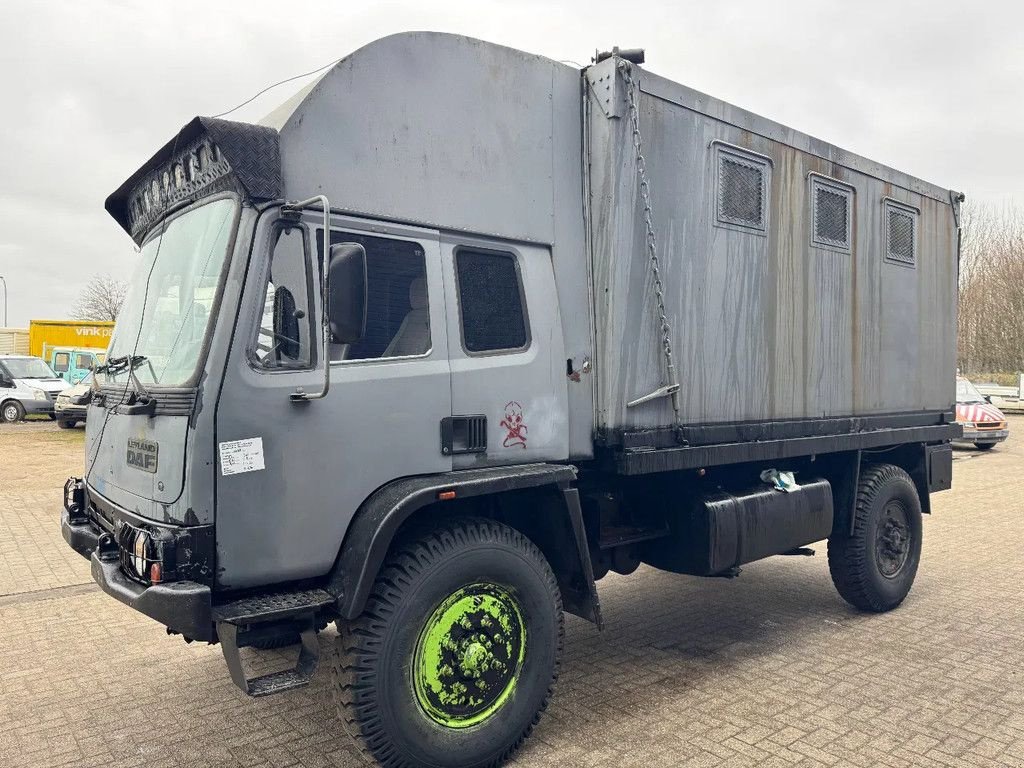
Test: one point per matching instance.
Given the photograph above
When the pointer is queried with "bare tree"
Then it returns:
(101, 299)
(990, 332)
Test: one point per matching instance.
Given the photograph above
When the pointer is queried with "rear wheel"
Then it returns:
(456, 655)
(12, 411)
(874, 567)
(984, 446)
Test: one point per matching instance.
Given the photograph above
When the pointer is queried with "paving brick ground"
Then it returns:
(771, 669)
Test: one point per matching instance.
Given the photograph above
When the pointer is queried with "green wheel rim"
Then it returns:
(469, 655)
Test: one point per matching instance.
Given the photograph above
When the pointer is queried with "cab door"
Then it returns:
(82, 363)
(290, 475)
(61, 364)
(508, 362)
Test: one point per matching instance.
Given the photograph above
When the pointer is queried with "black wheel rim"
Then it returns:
(892, 540)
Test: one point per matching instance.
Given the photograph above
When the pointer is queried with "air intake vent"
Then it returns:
(742, 193)
(742, 198)
(832, 214)
(901, 233)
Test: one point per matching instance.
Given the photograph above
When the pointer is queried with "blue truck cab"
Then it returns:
(72, 364)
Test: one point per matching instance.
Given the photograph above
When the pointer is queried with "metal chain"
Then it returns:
(672, 385)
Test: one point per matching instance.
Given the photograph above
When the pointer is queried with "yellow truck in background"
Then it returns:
(44, 335)
(71, 348)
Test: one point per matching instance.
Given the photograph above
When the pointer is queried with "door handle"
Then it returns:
(463, 434)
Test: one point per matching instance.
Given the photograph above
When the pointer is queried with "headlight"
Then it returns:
(967, 424)
(140, 553)
(38, 394)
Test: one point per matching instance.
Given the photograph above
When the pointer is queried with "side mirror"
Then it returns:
(988, 399)
(347, 292)
(286, 324)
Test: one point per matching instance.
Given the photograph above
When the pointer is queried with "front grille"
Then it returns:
(177, 401)
(990, 425)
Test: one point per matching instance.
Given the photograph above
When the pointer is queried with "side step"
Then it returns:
(297, 611)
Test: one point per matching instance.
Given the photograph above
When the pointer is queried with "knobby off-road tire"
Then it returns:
(874, 567)
(455, 657)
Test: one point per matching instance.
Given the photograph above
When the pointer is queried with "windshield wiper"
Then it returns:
(140, 400)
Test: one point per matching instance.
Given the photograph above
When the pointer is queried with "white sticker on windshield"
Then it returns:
(238, 456)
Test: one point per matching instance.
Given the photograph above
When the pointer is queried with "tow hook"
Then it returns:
(106, 548)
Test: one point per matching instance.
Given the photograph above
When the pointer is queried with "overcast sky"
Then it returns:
(91, 89)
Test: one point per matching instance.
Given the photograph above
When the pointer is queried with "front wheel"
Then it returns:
(984, 446)
(456, 654)
(873, 567)
(12, 411)
(66, 423)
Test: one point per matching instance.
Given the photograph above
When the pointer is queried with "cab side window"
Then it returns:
(83, 362)
(397, 305)
(61, 362)
(284, 338)
(490, 302)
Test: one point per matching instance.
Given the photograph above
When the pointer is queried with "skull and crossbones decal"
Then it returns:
(514, 425)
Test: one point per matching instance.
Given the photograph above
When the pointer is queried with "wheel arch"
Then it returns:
(553, 521)
(928, 464)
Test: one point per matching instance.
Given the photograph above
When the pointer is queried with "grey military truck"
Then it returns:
(457, 330)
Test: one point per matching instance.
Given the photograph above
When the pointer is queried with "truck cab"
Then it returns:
(73, 364)
(28, 386)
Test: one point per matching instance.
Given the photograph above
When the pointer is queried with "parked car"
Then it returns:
(27, 385)
(73, 403)
(983, 423)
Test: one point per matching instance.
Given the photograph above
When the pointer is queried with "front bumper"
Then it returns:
(182, 606)
(984, 435)
(69, 411)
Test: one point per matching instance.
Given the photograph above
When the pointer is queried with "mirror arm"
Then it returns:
(321, 202)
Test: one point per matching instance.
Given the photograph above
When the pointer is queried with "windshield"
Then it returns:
(28, 368)
(967, 393)
(171, 295)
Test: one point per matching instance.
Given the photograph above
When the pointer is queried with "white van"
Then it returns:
(27, 385)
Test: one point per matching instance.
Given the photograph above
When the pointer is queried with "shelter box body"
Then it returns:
(800, 281)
